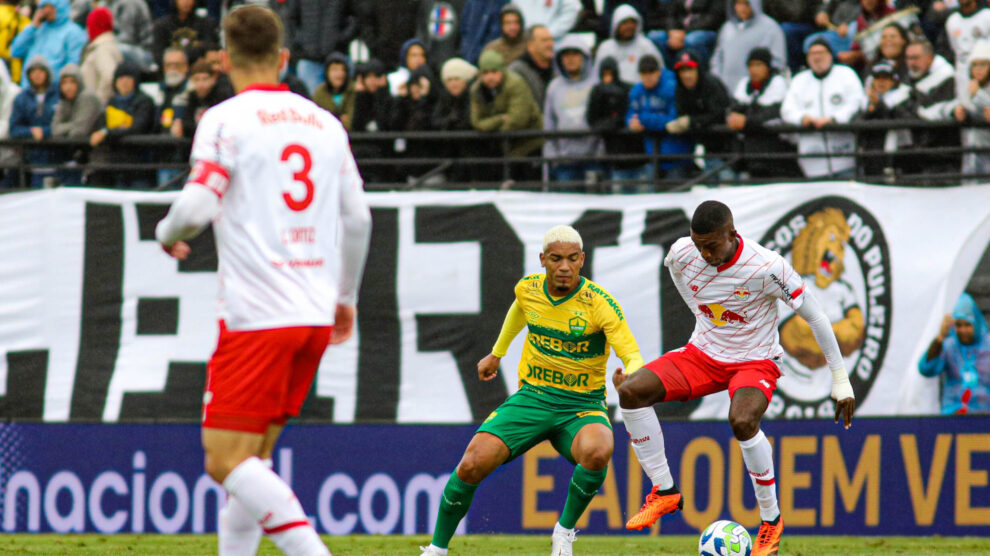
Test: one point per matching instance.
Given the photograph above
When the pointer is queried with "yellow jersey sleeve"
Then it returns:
(514, 321)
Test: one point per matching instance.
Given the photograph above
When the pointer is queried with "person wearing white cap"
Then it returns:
(975, 107)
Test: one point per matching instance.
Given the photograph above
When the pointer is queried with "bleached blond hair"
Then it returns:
(562, 234)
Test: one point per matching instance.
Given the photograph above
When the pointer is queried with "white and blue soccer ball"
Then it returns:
(725, 538)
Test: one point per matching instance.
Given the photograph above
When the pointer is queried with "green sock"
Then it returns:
(584, 485)
(454, 504)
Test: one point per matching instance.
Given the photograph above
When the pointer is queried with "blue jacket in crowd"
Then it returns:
(481, 22)
(28, 112)
(966, 384)
(655, 107)
(61, 41)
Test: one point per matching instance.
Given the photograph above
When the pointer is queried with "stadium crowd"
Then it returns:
(100, 70)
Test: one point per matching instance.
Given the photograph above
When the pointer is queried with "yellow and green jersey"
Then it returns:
(569, 338)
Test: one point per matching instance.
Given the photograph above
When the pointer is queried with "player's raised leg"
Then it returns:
(483, 455)
(638, 392)
(591, 450)
(745, 411)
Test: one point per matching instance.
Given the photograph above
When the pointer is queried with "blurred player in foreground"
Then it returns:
(561, 398)
(275, 175)
(732, 284)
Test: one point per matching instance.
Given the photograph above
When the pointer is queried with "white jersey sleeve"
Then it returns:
(783, 282)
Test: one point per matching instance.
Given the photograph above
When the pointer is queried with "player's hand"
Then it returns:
(178, 250)
(845, 399)
(845, 409)
(488, 367)
(618, 377)
(343, 324)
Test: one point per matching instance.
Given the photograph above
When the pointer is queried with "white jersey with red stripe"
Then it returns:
(280, 165)
(735, 303)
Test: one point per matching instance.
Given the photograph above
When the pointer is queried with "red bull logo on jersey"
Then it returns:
(741, 293)
(720, 316)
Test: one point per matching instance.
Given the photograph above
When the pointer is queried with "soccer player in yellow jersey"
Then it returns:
(573, 323)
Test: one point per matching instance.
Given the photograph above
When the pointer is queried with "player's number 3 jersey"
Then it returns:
(280, 166)
(569, 338)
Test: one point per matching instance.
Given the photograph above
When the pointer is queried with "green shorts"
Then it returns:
(529, 417)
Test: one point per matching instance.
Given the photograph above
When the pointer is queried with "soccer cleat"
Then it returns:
(658, 503)
(430, 550)
(768, 539)
(562, 540)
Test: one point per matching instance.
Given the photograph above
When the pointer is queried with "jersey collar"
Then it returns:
(556, 302)
(735, 257)
(265, 87)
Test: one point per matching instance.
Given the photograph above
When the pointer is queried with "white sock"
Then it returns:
(647, 441)
(758, 455)
(558, 528)
(272, 504)
(238, 534)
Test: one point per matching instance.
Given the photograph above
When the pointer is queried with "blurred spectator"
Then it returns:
(438, 26)
(132, 26)
(933, 92)
(535, 66)
(75, 115)
(101, 56)
(511, 43)
(8, 93)
(836, 21)
(797, 20)
(172, 87)
(205, 92)
(963, 28)
(385, 26)
(690, 24)
(130, 112)
(747, 28)
(961, 354)
(559, 16)
(627, 43)
(893, 43)
(702, 101)
(756, 104)
(317, 28)
(183, 27)
(31, 116)
(286, 78)
(453, 113)
(12, 22)
(336, 94)
(975, 107)
(607, 107)
(870, 12)
(372, 101)
(823, 94)
(652, 105)
(412, 55)
(501, 101)
(565, 108)
(481, 24)
(887, 99)
(413, 107)
(52, 35)
(653, 17)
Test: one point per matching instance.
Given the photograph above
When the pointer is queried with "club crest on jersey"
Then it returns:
(741, 293)
(840, 251)
(577, 326)
(720, 316)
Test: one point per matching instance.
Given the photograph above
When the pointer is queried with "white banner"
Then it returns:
(97, 323)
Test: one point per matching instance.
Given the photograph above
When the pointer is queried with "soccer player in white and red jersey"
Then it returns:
(275, 175)
(732, 285)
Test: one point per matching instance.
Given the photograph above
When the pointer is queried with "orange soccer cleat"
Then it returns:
(658, 503)
(768, 539)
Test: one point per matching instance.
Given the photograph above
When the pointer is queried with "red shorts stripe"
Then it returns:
(258, 378)
(766, 482)
(286, 526)
(689, 374)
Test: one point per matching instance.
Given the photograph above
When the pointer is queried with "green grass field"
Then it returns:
(372, 545)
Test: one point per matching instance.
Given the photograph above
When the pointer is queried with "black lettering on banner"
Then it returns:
(379, 359)
(598, 228)
(663, 228)
(102, 298)
(469, 337)
(27, 373)
(203, 248)
(181, 399)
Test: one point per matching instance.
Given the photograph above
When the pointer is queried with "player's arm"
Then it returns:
(514, 322)
(355, 216)
(196, 206)
(811, 311)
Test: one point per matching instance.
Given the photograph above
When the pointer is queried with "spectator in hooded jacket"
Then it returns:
(75, 115)
(627, 43)
(756, 104)
(12, 22)
(823, 94)
(315, 29)
(101, 56)
(372, 101)
(960, 354)
(746, 28)
(690, 24)
(51, 34)
(32, 115)
(511, 42)
(975, 107)
(701, 103)
(412, 56)
(480, 25)
(607, 106)
(565, 109)
(336, 94)
(130, 112)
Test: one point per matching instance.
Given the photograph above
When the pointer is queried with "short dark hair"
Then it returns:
(531, 31)
(253, 36)
(710, 216)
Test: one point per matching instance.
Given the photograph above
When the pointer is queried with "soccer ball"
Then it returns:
(725, 538)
